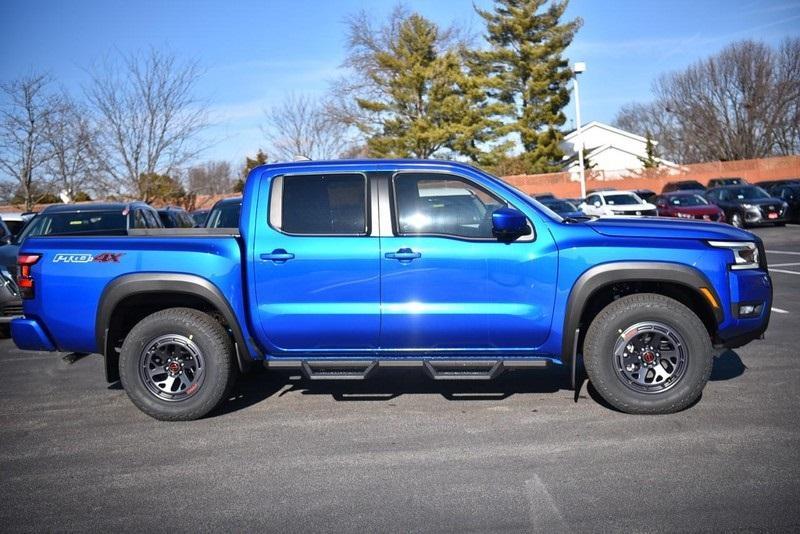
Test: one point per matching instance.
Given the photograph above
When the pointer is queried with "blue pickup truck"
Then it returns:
(340, 267)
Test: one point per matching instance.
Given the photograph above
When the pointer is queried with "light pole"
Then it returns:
(578, 68)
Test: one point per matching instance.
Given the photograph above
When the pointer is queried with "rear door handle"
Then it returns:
(404, 254)
(278, 256)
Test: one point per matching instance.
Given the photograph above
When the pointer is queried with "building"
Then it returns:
(609, 151)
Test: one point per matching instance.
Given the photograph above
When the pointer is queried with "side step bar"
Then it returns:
(437, 369)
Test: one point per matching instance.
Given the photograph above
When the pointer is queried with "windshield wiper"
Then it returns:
(573, 220)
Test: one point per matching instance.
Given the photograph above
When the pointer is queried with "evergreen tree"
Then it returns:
(650, 161)
(527, 44)
(249, 165)
(419, 92)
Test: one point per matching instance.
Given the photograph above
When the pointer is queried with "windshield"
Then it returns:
(225, 216)
(622, 200)
(747, 193)
(688, 200)
(77, 222)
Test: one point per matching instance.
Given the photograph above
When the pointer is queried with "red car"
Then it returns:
(688, 205)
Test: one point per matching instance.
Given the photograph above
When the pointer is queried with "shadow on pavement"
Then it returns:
(727, 365)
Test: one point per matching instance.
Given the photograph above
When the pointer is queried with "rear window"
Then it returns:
(86, 222)
(321, 204)
(225, 216)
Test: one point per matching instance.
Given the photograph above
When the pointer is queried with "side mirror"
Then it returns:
(509, 224)
(597, 204)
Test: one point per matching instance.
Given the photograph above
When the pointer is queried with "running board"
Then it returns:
(437, 369)
(337, 370)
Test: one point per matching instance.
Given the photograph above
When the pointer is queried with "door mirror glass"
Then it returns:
(509, 224)
(597, 204)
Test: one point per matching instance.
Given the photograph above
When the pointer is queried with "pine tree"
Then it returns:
(527, 45)
(249, 165)
(419, 92)
(651, 160)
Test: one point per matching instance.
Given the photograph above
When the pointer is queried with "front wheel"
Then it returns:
(177, 364)
(648, 354)
(737, 220)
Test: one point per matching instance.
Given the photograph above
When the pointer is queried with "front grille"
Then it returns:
(12, 310)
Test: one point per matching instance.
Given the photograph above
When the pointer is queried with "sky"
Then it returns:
(255, 52)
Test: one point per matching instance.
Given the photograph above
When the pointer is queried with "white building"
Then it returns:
(608, 150)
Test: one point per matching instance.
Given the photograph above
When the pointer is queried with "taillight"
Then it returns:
(24, 278)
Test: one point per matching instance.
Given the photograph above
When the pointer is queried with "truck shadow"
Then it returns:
(389, 383)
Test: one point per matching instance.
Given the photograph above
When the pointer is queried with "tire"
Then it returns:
(612, 366)
(177, 364)
(737, 220)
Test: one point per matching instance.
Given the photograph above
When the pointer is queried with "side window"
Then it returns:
(138, 219)
(152, 219)
(591, 199)
(319, 204)
(442, 204)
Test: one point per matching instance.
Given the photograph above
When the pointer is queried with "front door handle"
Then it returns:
(278, 256)
(404, 255)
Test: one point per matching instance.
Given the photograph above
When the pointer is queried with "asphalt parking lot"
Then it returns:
(403, 453)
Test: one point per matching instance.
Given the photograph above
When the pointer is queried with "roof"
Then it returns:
(229, 200)
(170, 208)
(595, 124)
(369, 165)
(683, 193)
(91, 206)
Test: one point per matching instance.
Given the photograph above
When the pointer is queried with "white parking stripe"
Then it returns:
(783, 252)
(778, 310)
(785, 264)
(782, 271)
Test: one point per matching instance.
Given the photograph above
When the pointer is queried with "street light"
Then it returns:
(578, 68)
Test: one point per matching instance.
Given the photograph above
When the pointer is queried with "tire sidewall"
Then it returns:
(601, 364)
(216, 367)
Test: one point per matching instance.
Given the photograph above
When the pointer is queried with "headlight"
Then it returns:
(685, 216)
(745, 253)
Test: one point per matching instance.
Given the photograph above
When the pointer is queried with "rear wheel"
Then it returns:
(177, 364)
(648, 354)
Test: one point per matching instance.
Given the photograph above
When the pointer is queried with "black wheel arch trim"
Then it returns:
(140, 283)
(628, 271)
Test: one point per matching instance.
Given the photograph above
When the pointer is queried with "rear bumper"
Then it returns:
(28, 334)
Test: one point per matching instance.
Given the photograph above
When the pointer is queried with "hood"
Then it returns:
(631, 207)
(668, 228)
(705, 209)
(762, 202)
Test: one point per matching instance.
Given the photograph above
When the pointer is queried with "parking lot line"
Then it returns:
(783, 271)
(785, 264)
(783, 252)
(778, 310)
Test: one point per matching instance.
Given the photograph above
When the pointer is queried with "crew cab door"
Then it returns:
(447, 284)
(315, 266)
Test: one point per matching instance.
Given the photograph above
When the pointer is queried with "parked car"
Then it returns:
(683, 185)
(645, 194)
(338, 267)
(199, 217)
(616, 203)
(766, 184)
(84, 219)
(688, 205)
(175, 217)
(15, 220)
(717, 182)
(789, 193)
(565, 208)
(748, 205)
(225, 213)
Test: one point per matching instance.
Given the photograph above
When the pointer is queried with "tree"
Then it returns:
(160, 187)
(650, 161)
(655, 118)
(741, 103)
(71, 138)
(211, 178)
(148, 117)
(301, 126)
(527, 46)
(27, 109)
(249, 165)
(415, 90)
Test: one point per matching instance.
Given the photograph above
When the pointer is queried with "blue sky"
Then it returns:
(256, 51)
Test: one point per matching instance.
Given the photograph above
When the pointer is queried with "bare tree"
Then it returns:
(26, 111)
(741, 103)
(73, 167)
(148, 117)
(211, 178)
(301, 126)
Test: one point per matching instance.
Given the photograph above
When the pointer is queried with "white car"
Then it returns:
(615, 204)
